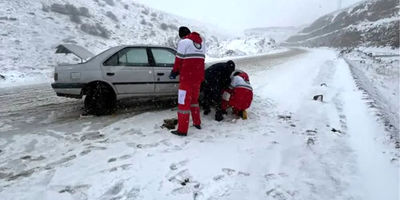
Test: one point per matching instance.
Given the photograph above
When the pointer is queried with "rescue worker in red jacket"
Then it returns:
(189, 65)
(239, 95)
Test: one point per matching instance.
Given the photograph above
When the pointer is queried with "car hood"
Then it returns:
(77, 50)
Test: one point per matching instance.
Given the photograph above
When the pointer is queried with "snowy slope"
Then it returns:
(368, 23)
(290, 148)
(242, 46)
(30, 31)
(278, 34)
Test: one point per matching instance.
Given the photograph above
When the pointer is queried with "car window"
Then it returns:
(112, 61)
(163, 57)
(129, 57)
(133, 57)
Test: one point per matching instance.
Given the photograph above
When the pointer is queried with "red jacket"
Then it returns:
(189, 61)
(241, 93)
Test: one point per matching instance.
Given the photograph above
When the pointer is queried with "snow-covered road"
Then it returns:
(290, 148)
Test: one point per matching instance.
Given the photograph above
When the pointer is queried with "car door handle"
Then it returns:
(110, 74)
(160, 74)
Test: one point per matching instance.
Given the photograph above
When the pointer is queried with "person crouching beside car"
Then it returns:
(239, 95)
(189, 65)
(217, 79)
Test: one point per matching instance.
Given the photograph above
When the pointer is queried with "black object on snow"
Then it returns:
(319, 98)
(170, 123)
(336, 130)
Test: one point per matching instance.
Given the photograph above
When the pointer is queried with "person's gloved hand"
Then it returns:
(173, 75)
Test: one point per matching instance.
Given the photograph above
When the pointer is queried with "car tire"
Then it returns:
(100, 100)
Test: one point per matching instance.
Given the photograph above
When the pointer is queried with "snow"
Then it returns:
(363, 140)
(278, 34)
(285, 150)
(242, 46)
(377, 72)
(210, 60)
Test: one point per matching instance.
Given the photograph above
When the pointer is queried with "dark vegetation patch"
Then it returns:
(70, 10)
(96, 30)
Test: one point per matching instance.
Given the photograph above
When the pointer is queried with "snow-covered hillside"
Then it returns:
(240, 46)
(368, 23)
(30, 31)
(278, 34)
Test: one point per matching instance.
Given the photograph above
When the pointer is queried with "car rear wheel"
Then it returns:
(100, 100)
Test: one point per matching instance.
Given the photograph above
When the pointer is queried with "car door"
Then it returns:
(163, 61)
(129, 70)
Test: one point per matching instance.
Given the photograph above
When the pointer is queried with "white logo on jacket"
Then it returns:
(189, 49)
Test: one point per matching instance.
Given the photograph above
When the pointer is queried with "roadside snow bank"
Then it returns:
(377, 72)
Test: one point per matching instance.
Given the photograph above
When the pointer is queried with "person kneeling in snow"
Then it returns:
(239, 95)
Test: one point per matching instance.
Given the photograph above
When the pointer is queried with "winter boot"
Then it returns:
(197, 126)
(178, 133)
(243, 114)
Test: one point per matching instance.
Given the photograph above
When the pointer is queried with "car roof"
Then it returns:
(144, 45)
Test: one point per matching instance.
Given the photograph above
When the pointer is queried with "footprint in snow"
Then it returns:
(124, 157)
(143, 146)
(85, 152)
(218, 177)
(74, 189)
(92, 136)
(112, 192)
(23, 174)
(121, 167)
(30, 158)
(175, 166)
(228, 171)
(185, 181)
(61, 161)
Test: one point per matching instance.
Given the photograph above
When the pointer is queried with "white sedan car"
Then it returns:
(117, 73)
